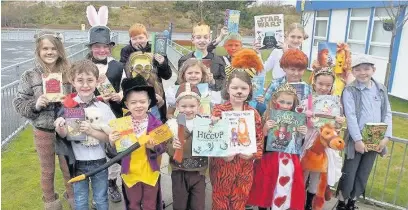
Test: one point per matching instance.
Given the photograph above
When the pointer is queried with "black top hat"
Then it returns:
(138, 84)
(100, 34)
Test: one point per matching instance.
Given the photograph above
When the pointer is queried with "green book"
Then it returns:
(373, 133)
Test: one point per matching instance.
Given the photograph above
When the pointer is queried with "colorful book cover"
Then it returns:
(284, 137)
(161, 134)
(372, 134)
(327, 53)
(160, 46)
(232, 20)
(73, 118)
(269, 30)
(210, 140)
(207, 63)
(205, 107)
(127, 135)
(300, 89)
(325, 109)
(106, 88)
(257, 89)
(52, 86)
(241, 131)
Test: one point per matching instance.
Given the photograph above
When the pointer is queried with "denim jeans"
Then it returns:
(99, 184)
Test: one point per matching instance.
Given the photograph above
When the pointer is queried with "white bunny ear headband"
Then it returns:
(97, 18)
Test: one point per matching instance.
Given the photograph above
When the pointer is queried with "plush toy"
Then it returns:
(315, 160)
(94, 117)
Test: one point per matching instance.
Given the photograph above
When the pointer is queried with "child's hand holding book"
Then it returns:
(150, 144)
(268, 125)
(302, 130)
(360, 147)
(41, 103)
(176, 143)
(383, 143)
(246, 156)
(114, 136)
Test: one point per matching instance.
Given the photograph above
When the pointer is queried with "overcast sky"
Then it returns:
(291, 2)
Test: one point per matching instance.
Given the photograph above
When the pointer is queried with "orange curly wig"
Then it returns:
(247, 58)
(294, 58)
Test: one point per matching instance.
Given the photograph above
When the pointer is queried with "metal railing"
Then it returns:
(382, 189)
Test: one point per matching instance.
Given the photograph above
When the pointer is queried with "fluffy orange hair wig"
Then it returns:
(137, 29)
(247, 58)
(294, 58)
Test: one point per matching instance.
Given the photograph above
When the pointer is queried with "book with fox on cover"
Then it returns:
(52, 86)
(232, 20)
(124, 126)
(73, 118)
(372, 134)
(283, 137)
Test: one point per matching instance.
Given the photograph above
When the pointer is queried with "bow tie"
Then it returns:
(104, 61)
(90, 103)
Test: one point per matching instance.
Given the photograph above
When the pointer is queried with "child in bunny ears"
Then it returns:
(139, 42)
(110, 71)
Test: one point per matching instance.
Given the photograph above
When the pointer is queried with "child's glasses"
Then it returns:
(141, 67)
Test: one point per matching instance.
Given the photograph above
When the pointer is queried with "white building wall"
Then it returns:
(309, 31)
(400, 85)
(338, 26)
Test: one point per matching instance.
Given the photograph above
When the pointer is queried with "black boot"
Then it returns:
(341, 205)
(309, 200)
(351, 204)
(113, 191)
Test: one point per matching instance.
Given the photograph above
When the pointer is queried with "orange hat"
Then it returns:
(137, 29)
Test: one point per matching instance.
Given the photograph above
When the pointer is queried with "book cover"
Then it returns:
(284, 137)
(300, 89)
(161, 134)
(205, 107)
(160, 45)
(269, 30)
(153, 42)
(258, 83)
(73, 118)
(207, 63)
(325, 109)
(106, 88)
(241, 131)
(210, 140)
(232, 20)
(124, 126)
(372, 134)
(52, 86)
(327, 53)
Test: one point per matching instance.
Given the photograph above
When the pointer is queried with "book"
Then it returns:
(283, 137)
(73, 118)
(205, 107)
(241, 131)
(210, 140)
(124, 126)
(161, 134)
(106, 88)
(300, 89)
(372, 134)
(232, 20)
(326, 55)
(207, 63)
(269, 30)
(52, 86)
(160, 46)
(325, 109)
(257, 89)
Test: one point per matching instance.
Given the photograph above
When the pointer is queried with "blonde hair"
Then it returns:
(62, 64)
(272, 102)
(295, 26)
(191, 62)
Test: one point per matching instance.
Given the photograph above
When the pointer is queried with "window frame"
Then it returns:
(377, 44)
(320, 38)
(356, 41)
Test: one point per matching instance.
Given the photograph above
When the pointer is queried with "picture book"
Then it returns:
(106, 88)
(241, 131)
(210, 140)
(73, 118)
(52, 86)
(161, 134)
(325, 109)
(269, 30)
(327, 53)
(160, 45)
(283, 137)
(257, 89)
(127, 135)
(372, 134)
(232, 20)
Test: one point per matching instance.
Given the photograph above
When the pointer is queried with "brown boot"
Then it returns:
(53, 205)
(70, 201)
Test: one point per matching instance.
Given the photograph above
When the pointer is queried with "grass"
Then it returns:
(21, 171)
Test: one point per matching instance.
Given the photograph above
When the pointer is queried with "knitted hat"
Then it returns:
(137, 29)
(245, 60)
(187, 89)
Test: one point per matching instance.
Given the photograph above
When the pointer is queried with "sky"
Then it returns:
(291, 2)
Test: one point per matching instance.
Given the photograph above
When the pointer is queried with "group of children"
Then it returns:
(265, 179)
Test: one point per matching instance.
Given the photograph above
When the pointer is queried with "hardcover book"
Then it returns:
(325, 109)
(52, 86)
(283, 137)
(73, 118)
(269, 30)
(106, 88)
(373, 133)
(124, 126)
(160, 44)
(232, 20)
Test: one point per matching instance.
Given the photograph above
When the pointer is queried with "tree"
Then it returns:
(395, 12)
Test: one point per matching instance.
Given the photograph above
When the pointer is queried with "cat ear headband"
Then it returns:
(57, 35)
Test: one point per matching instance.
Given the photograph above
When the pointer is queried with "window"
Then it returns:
(380, 39)
(358, 27)
(321, 26)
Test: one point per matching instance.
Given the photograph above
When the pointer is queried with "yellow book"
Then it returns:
(124, 126)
